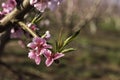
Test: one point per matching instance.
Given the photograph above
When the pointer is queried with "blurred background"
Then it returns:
(98, 45)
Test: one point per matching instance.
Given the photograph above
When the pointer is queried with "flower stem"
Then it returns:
(25, 27)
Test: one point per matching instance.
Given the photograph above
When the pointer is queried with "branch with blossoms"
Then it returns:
(12, 16)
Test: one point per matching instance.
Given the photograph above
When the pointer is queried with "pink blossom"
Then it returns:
(51, 57)
(32, 26)
(47, 35)
(39, 44)
(37, 47)
(8, 6)
(41, 5)
(32, 55)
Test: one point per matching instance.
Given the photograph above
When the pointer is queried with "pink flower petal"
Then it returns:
(49, 61)
(37, 60)
(36, 39)
(42, 51)
(58, 55)
(31, 55)
(31, 45)
(39, 40)
(47, 53)
(47, 46)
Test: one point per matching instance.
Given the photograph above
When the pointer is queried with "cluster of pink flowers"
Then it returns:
(41, 5)
(7, 7)
(40, 47)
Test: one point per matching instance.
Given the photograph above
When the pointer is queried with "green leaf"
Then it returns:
(56, 46)
(39, 19)
(69, 39)
(59, 42)
(68, 50)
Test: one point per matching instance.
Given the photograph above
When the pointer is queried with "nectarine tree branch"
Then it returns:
(6, 22)
(18, 13)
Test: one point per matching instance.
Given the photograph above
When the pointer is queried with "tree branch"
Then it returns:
(27, 29)
(6, 22)
(18, 13)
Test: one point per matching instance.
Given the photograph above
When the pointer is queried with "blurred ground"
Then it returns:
(98, 46)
